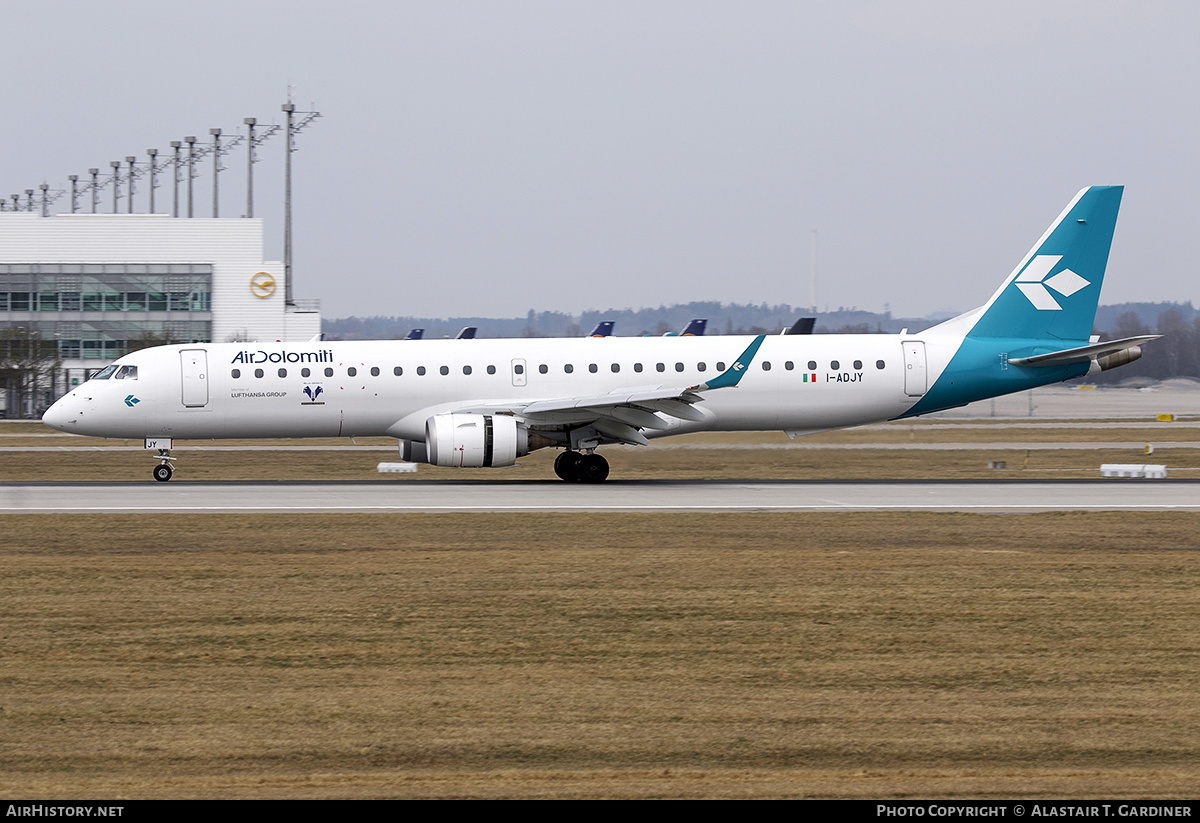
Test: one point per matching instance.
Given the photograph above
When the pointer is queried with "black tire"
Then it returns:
(566, 466)
(592, 468)
(162, 472)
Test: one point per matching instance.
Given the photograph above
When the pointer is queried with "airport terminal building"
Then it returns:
(90, 287)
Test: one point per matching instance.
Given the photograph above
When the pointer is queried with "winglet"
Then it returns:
(733, 374)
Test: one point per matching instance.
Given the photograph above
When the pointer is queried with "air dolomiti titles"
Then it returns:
(261, 356)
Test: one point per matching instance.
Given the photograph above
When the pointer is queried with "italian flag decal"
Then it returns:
(810, 377)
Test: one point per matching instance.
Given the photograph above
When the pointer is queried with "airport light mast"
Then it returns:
(219, 150)
(116, 183)
(177, 145)
(292, 129)
(191, 171)
(133, 174)
(255, 140)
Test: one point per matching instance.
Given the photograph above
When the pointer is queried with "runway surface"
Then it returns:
(555, 496)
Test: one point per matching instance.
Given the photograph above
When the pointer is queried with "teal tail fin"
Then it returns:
(1054, 291)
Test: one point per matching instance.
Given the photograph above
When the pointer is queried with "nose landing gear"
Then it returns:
(164, 469)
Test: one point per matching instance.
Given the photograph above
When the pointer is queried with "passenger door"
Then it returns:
(914, 368)
(194, 368)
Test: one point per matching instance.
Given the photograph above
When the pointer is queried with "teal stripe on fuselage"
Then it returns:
(979, 370)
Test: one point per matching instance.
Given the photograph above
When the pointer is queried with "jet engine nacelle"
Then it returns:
(1117, 358)
(413, 451)
(475, 440)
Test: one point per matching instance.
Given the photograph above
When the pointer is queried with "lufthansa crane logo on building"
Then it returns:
(262, 284)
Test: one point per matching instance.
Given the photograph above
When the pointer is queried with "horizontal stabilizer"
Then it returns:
(1082, 354)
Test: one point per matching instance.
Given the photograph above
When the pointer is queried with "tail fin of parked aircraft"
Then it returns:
(1053, 292)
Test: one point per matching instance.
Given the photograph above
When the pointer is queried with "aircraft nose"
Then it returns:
(61, 415)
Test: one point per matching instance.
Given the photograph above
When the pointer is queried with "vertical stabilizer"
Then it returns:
(1054, 291)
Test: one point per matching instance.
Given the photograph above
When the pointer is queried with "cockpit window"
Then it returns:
(126, 373)
(104, 373)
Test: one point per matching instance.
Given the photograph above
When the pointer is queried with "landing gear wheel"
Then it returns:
(163, 472)
(566, 466)
(592, 468)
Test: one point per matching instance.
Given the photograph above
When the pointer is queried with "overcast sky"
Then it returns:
(486, 158)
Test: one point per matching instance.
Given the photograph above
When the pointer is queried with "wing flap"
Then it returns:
(620, 431)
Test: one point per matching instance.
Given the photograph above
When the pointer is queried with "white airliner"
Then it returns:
(486, 403)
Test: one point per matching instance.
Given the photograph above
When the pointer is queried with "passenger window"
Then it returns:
(491, 369)
(466, 369)
(660, 367)
(766, 365)
(701, 366)
(396, 370)
(352, 371)
(283, 372)
(421, 371)
(306, 372)
(444, 370)
(329, 372)
(789, 365)
(857, 364)
(542, 369)
(616, 367)
(720, 365)
(568, 368)
(518, 369)
(879, 364)
(235, 374)
(592, 368)
(835, 365)
(374, 371)
(678, 367)
(258, 372)
(812, 365)
(637, 367)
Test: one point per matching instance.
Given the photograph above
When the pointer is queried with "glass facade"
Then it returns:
(97, 311)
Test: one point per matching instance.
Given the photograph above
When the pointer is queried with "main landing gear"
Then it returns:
(581, 468)
(164, 469)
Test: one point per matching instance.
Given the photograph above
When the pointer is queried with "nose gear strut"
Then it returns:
(164, 469)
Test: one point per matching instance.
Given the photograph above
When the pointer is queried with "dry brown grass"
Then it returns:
(720, 655)
(628, 463)
(724, 456)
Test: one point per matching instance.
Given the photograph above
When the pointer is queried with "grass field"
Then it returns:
(591, 655)
(720, 655)
(756, 455)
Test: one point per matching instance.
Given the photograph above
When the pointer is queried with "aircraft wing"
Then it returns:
(619, 416)
(622, 414)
